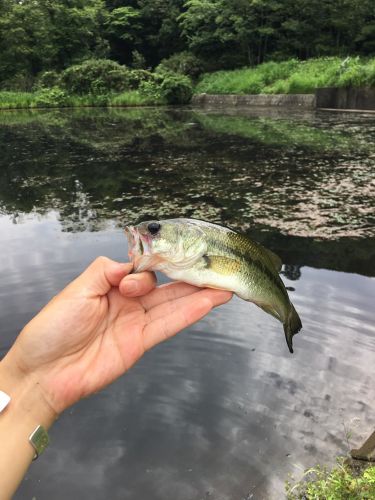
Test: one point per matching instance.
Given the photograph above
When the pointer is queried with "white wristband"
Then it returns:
(4, 400)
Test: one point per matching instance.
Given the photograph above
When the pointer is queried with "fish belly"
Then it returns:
(248, 282)
(206, 278)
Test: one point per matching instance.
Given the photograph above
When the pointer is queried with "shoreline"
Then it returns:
(308, 102)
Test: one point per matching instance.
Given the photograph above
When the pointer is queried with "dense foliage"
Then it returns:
(291, 77)
(238, 32)
(186, 36)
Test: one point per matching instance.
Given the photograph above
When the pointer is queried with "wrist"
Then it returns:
(28, 402)
(26, 410)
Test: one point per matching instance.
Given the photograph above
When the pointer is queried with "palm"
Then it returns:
(82, 341)
(109, 344)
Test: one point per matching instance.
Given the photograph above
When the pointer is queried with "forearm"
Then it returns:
(26, 410)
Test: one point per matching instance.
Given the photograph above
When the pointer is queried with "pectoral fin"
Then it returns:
(221, 264)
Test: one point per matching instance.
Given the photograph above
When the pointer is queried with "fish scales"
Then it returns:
(209, 255)
(249, 254)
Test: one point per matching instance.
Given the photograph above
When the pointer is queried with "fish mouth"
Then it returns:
(140, 250)
(139, 244)
(145, 244)
(133, 241)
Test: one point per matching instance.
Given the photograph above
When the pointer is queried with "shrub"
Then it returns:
(49, 98)
(96, 76)
(176, 89)
(137, 76)
(47, 79)
(151, 90)
(184, 63)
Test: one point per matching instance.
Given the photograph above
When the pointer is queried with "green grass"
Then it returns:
(287, 77)
(15, 99)
(56, 98)
(134, 98)
(290, 77)
(341, 483)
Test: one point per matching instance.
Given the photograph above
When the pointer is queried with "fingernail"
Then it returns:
(130, 286)
(127, 266)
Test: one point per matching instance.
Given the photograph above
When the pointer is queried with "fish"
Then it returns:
(210, 255)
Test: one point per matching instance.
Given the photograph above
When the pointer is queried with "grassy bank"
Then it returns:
(290, 77)
(344, 481)
(56, 98)
(93, 84)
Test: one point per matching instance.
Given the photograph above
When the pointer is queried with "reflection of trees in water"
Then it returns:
(292, 271)
(79, 215)
(94, 166)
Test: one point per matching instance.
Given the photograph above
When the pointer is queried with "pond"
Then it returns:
(221, 411)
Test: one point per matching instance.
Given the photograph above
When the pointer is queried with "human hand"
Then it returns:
(99, 326)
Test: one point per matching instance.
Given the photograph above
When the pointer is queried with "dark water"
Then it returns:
(222, 411)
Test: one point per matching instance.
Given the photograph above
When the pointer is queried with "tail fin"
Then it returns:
(292, 325)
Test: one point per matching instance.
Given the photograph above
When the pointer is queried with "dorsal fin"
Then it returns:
(275, 259)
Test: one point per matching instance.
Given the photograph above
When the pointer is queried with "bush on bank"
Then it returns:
(184, 63)
(100, 82)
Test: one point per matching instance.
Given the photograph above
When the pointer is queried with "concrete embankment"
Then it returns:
(305, 101)
(362, 98)
(355, 99)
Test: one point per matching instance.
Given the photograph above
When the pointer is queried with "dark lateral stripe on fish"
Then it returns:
(275, 279)
(250, 261)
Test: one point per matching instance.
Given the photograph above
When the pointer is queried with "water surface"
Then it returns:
(223, 410)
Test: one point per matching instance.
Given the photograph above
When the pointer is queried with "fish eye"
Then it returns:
(154, 227)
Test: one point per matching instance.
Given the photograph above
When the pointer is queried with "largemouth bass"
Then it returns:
(209, 255)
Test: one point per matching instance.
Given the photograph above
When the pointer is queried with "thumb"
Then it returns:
(101, 276)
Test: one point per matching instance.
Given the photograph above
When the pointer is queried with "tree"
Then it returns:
(37, 35)
(123, 28)
(231, 31)
(149, 27)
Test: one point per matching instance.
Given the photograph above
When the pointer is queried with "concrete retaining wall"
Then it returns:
(331, 97)
(305, 101)
(346, 98)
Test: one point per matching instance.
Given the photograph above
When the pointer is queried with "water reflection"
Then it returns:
(288, 173)
(303, 184)
(223, 411)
